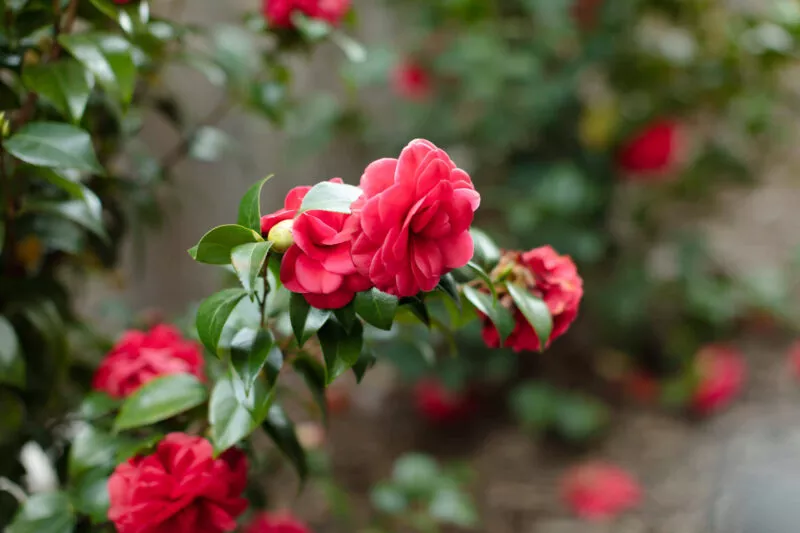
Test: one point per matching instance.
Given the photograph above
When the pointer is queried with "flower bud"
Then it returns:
(5, 125)
(281, 236)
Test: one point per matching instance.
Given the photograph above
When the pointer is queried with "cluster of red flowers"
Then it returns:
(279, 12)
(409, 228)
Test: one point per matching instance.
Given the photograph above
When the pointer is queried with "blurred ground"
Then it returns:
(734, 473)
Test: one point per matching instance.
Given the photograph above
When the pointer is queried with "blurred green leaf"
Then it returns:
(450, 505)
(499, 315)
(234, 413)
(248, 261)
(12, 364)
(579, 418)
(55, 145)
(314, 375)
(49, 512)
(12, 416)
(365, 361)
(92, 448)
(280, 428)
(305, 320)
(388, 499)
(160, 399)
(90, 496)
(64, 84)
(213, 314)
(487, 253)
(416, 474)
(251, 351)
(448, 286)
(376, 308)
(534, 405)
(215, 247)
(87, 213)
(340, 348)
(97, 404)
(108, 57)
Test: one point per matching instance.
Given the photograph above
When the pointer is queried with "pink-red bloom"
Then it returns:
(552, 277)
(180, 488)
(440, 405)
(412, 222)
(291, 204)
(411, 81)
(598, 491)
(141, 356)
(279, 12)
(276, 523)
(654, 152)
(721, 372)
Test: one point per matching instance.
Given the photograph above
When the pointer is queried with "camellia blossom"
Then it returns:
(721, 372)
(552, 277)
(440, 405)
(279, 12)
(180, 488)
(276, 523)
(412, 221)
(411, 81)
(598, 491)
(140, 357)
(653, 152)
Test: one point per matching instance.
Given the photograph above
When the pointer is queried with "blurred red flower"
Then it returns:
(721, 372)
(411, 81)
(276, 523)
(413, 220)
(440, 405)
(653, 152)
(279, 12)
(585, 12)
(139, 357)
(180, 488)
(794, 359)
(598, 491)
(548, 275)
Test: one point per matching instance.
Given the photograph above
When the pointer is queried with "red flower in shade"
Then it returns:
(411, 81)
(413, 220)
(654, 151)
(721, 372)
(597, 491)
(440, 405)
(794, 359)
(141, 356)
(276, 523)
(180, 488)
(279, 12)
(550, 276)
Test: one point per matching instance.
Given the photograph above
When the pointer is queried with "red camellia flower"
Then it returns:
(411, 81)
(412, 222)
(552, 277)
(440, 405)
(279, 12)
(794, 359)
(276, 523)
(180, 488)
(721, 372)
(597, 491)
(653, 152)
(141, 356)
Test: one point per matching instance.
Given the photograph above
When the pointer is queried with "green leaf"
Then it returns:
(448, 286)
(108, 57)
(417, 474)
(453, 506)
(160, 399)
(12, 365)
(250, 207)
(91, 448)
(487, 254)
(485, 277)
(327, 196)
(534, 310)
(128, 448)
(388, 499)
(312, 29)
(87, 213)
(70, 185)
(90, 496)
(234, 413)
(97, 404)
(280, 428)
(365, 361)
(418, 308)
(346, 316)
(65, 84)
(499, 315)
(251, 350)
(314, 375)
(11, 416)
(578, 419)
(377, 308)
(54, 145)
(248, 260)
(340, 348)
(534, 405)
(212, 315)
(306, 320)
(216, 246)
(354, 50)
(49, 512)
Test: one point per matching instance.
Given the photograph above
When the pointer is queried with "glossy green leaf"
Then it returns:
(248, 261)
(234, 413)
(90, 496)
(365, 361)
(377, 308)
(314, 375)
(418, 308)
(62, 180)
(487, 253)
(92, 448)
(448, 286)
(54, 145)
(535, 311)
(108, 57)
(481, 273)
(251, 350)
(346, 316)
(12, 364)
(212, 315)
(216, 246)
(87, 213)
(160, 399)
(499, 315)
(65, 84)
(340, 349)
(48, 512)
(250, 207)
(327, 196)
(280, 428)
(97, 404)
(306, 320)
(131, 447)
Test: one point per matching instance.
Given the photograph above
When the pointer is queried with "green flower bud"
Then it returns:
(281, 236)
